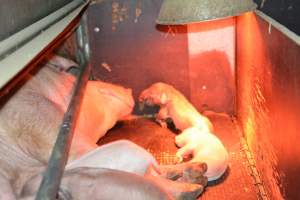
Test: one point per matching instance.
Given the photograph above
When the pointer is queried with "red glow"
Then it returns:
(211, 48)
(268, 101)
(252, 55)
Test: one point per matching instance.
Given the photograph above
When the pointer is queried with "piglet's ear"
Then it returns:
(163, 98)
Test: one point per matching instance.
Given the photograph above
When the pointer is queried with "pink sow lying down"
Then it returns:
(29, 121)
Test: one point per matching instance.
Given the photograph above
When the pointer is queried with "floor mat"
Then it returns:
(236, 184)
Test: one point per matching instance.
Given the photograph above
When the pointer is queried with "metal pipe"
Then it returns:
(59, 156)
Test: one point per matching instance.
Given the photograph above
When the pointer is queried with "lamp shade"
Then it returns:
(174, 12)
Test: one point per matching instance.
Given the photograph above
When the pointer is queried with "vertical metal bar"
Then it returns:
(58, 159)
(82, 38)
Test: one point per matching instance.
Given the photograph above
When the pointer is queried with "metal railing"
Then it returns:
(49, 187)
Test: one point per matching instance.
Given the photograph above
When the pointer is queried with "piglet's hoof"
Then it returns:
(187, 171)
(194, 174)
(195, 169)
(188, 192)
(188, 178)
(162, 123)
(179, 190)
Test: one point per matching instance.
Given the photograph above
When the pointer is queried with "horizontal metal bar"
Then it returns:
(17, 60)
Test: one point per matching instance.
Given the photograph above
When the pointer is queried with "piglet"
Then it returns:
(175, 106)
(204, 147)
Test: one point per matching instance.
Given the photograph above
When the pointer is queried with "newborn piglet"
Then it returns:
(204, 147)
(174, 105)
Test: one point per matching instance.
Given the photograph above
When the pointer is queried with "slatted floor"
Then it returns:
(237, 184)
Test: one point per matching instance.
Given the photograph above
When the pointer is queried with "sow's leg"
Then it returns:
(126, 156)
(120, 155)
(100, 183)
(129, 157)
(6, 191)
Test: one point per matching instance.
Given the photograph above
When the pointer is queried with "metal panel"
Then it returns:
(16, 15)
(269, 102)
(212, 65)
(10, 66)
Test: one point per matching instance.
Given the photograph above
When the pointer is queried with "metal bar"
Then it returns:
(58, 159)
(10, 66)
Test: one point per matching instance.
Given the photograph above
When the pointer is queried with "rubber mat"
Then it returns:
(236, 184)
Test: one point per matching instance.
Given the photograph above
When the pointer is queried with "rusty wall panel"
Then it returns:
(268, 86)
(128, 48)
